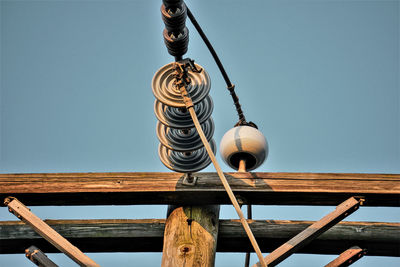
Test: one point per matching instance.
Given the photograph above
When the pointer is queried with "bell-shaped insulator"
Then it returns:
(244, 143)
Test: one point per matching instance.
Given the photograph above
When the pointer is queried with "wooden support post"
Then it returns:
(312, 232)
(48, 233)
(190, 236)
(36, 256)
(348, 257)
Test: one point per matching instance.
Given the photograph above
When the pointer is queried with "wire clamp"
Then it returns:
(181, 71)
(186, 63)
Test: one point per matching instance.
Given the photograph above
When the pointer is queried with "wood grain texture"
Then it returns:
(37, 257)
(190, 236)
(50, 234)
(348, 257)
(379, 238)
(310, 233)
(168, 188)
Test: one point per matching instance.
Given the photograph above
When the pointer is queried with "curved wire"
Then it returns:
(230, 86)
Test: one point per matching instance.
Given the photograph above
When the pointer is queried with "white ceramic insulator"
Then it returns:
(244, 142)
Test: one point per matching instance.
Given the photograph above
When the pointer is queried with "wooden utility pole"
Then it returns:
(190, 237)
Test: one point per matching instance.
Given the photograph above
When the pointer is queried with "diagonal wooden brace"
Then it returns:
(48, 233)
(36, 256)
(312, 232)
(348, 257)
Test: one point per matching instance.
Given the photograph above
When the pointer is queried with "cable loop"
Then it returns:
(230, 86)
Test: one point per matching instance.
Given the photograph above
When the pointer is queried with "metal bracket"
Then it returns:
(241, 200)
(189, 63)
(181, 71)
(189, 179)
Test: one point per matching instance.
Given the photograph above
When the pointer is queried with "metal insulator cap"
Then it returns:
(244, 142)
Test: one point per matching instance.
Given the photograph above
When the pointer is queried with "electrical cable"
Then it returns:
(230, 86)
(209, 46)
(249, 216)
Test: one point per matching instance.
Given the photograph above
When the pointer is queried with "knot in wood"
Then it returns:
(185, 249)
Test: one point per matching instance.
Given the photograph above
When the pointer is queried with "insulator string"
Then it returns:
(176, 38)
(181, 148)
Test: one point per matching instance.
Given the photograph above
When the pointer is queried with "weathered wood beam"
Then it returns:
(380, 239)
(48, 233)
(348, 257)
(36, 256)
(168, 188)
(310, 233)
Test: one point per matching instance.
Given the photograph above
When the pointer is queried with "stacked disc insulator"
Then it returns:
(181, 148)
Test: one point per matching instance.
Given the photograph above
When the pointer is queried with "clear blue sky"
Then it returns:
(320, 78)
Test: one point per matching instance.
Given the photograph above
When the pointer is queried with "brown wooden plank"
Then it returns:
(379, 238)
(348, 257)
(168, 188)
(311, 232)
(49, 233)
(36, 256)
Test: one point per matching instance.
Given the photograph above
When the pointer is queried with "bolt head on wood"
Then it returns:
(244, 142)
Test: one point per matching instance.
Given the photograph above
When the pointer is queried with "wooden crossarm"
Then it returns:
(169, 188)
